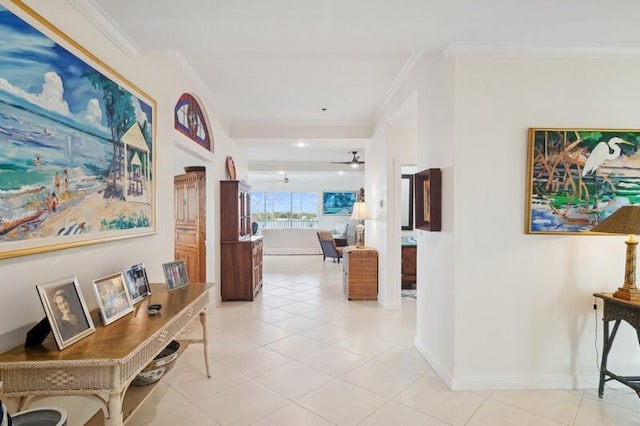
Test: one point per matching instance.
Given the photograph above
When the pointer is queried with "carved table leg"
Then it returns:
(115, 411)
(205, 339)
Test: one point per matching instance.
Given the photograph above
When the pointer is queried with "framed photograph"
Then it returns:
(578, 177)
(406, 196)
(137, 282)
(66, 311)
(113, 297)
(338, 203)
(82, 164)
(428, 196)
(175, 274)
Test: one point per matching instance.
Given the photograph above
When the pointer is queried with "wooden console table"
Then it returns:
(617, 310)
(103, 364)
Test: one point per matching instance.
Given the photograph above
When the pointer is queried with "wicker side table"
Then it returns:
(360, 273)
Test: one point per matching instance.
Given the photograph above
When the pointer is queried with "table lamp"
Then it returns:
(360, 213)
(625, 220)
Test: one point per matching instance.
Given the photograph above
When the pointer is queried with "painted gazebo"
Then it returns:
(137, 165)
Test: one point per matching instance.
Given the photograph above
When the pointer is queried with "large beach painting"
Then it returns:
(76, 143)
(578, 177)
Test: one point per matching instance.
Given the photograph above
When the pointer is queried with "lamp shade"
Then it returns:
(625, 220)
(360, 211)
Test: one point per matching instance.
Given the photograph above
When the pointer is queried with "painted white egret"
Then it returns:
(601, 153)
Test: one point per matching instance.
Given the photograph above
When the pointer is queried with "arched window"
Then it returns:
(190, 121)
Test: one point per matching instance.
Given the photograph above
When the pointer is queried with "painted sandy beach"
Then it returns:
(76, 148)
(45, 192)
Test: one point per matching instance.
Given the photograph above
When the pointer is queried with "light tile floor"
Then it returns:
(301, 354)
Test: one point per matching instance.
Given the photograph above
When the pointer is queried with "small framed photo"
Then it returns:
(428, 200)
(113, 297)
(66, 311)
(137, 282)
(176, 274)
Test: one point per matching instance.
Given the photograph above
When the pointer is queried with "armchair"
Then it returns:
(340, 234)
(329, 248)
(340, 230)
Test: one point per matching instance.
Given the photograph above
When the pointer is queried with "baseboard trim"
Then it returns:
(436, 366)
(508, 383)
(524, 382)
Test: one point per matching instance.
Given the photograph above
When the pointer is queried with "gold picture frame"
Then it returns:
(577, 177)
(84, 166)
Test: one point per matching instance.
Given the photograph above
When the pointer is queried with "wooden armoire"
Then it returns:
(240, 252)
(190, 227)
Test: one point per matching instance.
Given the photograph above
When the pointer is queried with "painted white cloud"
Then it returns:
(51, 97)
(8, 87)
(93, 113)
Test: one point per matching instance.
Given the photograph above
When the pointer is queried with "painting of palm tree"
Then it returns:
(76, 143)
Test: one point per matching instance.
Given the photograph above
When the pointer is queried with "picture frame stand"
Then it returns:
(37, 333)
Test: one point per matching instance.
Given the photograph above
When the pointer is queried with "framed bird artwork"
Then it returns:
(578, 177)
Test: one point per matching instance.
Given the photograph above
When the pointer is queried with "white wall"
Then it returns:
(19, 303)
(376, 185)
(436, 272)
(524, 312)
(498, 308)
(430, 83)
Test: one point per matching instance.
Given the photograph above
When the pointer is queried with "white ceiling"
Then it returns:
(281, 62)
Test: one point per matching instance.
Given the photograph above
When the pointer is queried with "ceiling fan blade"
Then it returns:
(355, 161)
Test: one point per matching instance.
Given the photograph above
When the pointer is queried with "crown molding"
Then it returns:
(511, 51)
(98, 17)
(397, 82)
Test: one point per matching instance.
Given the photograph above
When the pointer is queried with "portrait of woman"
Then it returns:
(66, 311)
(70, 319)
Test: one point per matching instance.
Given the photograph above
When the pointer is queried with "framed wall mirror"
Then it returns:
(406, 195)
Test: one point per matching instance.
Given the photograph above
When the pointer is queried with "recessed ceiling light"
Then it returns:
(281, 172)
(300, 144)
(341, 173)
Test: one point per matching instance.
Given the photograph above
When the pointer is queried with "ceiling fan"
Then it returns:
(285, 179)
(354, 162)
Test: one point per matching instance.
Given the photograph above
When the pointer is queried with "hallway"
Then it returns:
(301, 354)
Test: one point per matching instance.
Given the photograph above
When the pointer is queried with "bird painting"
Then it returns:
(601, 153)
(579, 177)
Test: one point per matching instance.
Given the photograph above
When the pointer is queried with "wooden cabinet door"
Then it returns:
(190, 227)
(191, 260)
(187, 205)
(181, 204)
